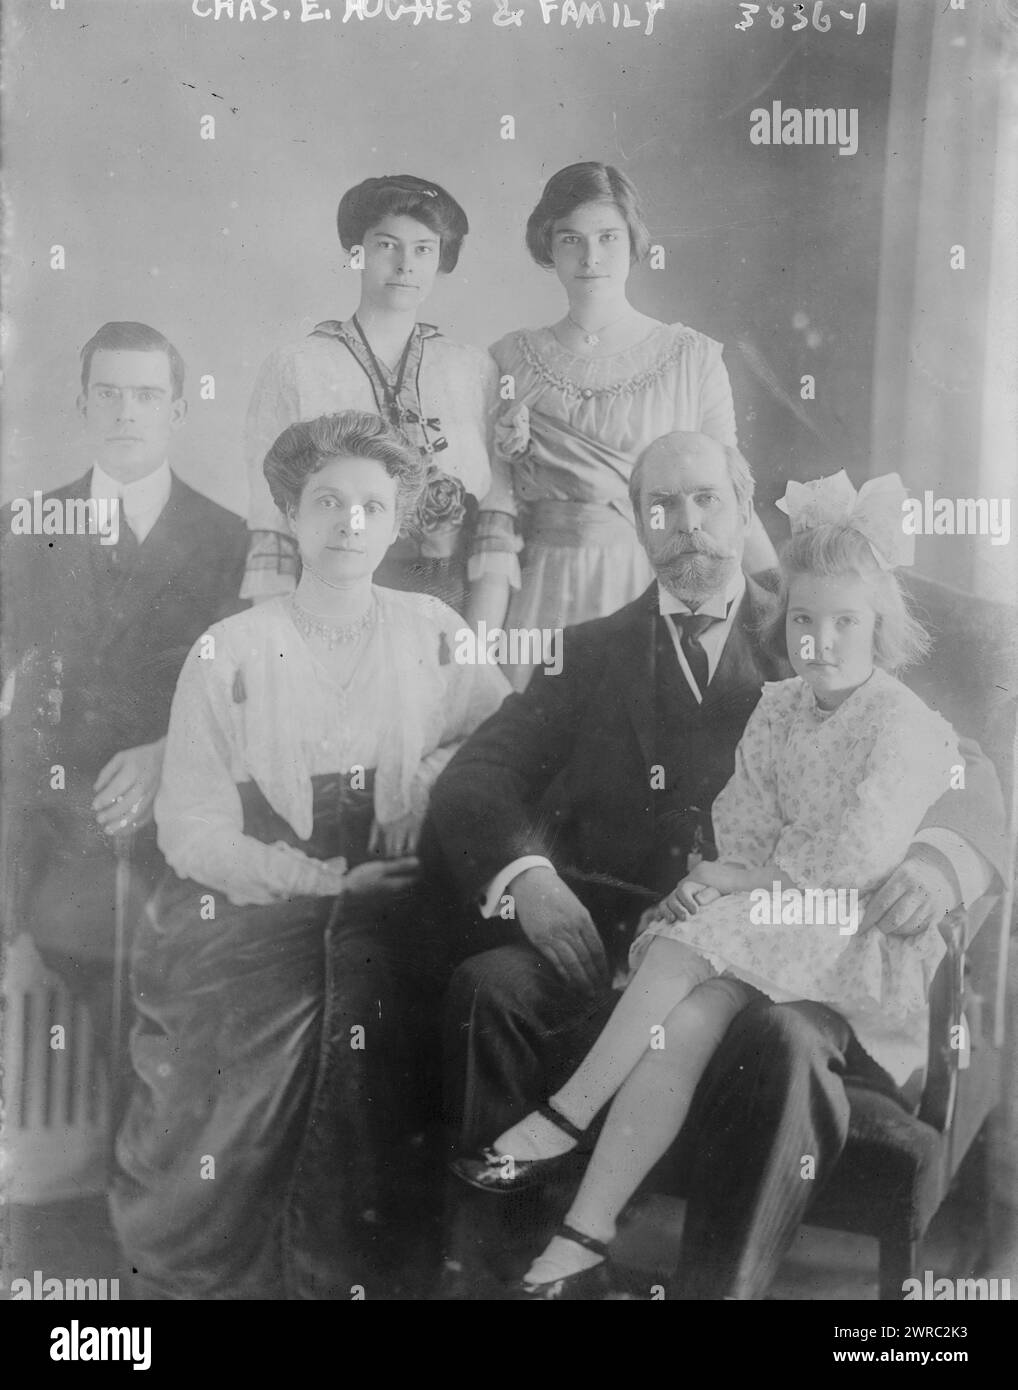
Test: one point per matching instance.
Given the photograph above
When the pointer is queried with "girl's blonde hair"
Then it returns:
(835, 550)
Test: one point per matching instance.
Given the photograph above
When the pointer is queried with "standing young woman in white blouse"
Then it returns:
(402, 232)
(592, 391)
(287, 975)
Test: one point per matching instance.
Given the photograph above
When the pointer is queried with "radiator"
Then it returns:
(56, 1099)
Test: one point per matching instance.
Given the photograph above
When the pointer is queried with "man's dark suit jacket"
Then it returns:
(95, 638)
(567, 769)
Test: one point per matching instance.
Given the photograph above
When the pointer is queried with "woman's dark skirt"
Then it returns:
(283, 1059)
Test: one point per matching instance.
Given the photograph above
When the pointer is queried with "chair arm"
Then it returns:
(941, 1089)
(973, 918)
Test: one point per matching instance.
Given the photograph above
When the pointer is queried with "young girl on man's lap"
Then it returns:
(834, 773)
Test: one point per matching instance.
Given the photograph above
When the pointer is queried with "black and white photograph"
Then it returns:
(509, 658)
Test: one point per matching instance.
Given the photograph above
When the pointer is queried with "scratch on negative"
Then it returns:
(744, 101)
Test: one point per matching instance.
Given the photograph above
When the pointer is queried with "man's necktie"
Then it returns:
(124, 553)
(692, 626)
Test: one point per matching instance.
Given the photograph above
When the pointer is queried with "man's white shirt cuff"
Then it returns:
(498, 885)
(973, 872)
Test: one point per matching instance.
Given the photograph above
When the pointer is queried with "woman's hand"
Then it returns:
(512, 431)
(379, 882)
(126, 788)
(397, 838)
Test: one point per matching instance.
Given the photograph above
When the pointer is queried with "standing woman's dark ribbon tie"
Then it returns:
(394, 412)
(388, 396)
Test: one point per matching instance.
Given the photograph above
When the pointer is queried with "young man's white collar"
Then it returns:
(141, 502)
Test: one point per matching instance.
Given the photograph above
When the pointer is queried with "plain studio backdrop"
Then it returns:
(229, 247)
(803, 261)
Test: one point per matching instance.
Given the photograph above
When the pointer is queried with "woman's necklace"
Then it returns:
(332, 637)
(594, 339)
(390, 402)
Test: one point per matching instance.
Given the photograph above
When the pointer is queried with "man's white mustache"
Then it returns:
(696, 548)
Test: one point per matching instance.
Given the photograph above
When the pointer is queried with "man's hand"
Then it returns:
(913, 899)
(557, 924)
(126, 788)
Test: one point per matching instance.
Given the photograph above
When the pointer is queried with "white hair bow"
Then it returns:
(875, 511)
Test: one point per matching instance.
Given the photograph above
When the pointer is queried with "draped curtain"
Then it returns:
(945, 401)
(945, 409)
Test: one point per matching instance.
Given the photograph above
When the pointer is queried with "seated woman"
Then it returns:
(402, 232)
(591, 392)
(286, 976)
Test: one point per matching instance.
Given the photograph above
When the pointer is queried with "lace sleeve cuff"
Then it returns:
(496, 530)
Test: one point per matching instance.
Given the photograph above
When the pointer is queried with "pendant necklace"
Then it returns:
(593, 339)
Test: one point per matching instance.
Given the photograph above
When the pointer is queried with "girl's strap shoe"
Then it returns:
(495, 1172)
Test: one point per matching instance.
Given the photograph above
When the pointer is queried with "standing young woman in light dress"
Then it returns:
(402, 231)
(590, 393)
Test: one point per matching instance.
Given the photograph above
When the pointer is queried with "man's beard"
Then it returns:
(696, 572)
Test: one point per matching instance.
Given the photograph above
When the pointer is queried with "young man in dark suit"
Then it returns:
(575, 807)
(95, 631)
